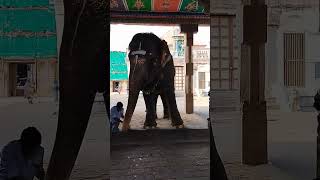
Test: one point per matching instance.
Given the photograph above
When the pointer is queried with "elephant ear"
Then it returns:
(165, 54)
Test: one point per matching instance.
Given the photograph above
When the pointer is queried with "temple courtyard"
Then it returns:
(167, 153)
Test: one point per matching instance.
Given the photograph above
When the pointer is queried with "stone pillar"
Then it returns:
(189, 30)
(254, 148)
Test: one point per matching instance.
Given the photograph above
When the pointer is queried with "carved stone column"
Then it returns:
(254, 130)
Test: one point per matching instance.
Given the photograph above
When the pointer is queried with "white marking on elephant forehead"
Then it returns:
(140, 52)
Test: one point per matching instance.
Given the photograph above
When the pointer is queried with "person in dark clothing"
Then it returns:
(23, 159)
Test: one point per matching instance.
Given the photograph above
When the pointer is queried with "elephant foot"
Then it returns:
(125, 128)
(150, 127)
(179, 126)
(149, 124)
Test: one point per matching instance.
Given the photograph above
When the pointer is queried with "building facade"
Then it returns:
(201, 68)
(28, 50)
(118, 72)
(291, 55)
(293, 59)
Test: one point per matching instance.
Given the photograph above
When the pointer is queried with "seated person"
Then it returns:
(23, 159)
(116, 114)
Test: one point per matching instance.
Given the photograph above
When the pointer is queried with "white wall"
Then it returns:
(307, 22)
(206, 70)
(312, 56)
(297, 21)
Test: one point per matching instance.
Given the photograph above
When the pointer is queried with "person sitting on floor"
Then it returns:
(23, 159)
(116, 115)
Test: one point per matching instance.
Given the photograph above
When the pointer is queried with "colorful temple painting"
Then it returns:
(181, 6)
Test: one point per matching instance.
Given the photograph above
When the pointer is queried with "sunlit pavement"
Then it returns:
(197, 120)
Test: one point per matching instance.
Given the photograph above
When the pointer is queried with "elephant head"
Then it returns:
(146, 57)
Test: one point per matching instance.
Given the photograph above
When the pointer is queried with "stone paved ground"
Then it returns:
(94, 159)
(291, 139)
(165, 153)
(161, 155)
(291, 146)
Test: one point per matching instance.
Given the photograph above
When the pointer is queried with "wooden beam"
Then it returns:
(189, 30)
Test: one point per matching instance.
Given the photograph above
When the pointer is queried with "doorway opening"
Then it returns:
(19, 73)
(115, 86)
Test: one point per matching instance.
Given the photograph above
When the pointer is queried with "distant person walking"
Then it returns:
(56, 91)
(29, 91)
(23, 159)
(118, 88)
(116, 115)
(56, 96)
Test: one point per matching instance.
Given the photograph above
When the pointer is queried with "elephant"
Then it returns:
(152, 72)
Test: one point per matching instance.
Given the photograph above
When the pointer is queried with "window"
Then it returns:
(317, 70)
(116, 86)
(179, 50)
(179, 78)
(202, 80)
(294, 62)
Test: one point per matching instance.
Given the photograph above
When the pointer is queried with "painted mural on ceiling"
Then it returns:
(182, 6)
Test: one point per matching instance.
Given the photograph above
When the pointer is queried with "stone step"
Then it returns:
(224, 101)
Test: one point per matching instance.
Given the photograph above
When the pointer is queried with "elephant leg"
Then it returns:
(165, 106)
(74, 112)
(150, 116)
(155, 105)
(172, 107)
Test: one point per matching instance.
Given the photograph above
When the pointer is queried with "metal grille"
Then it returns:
(294, 62)
(179, 78)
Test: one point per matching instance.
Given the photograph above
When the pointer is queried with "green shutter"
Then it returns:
(27, 20)
(33, 47)
(31, 21)
(118, 66)
(24, 3)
